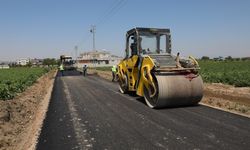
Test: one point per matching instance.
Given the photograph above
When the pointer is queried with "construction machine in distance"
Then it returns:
(149, 69)
(68, 62)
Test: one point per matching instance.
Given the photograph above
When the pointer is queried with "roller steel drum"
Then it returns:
(175, 90)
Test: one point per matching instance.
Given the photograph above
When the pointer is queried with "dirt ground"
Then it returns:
(228, 98)
(21, 118)
(216, 95)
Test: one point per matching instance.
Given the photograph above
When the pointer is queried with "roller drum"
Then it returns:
(175, 90)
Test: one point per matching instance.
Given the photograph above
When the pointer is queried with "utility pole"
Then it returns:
(76, 62)
(76, 48)
(92, 30)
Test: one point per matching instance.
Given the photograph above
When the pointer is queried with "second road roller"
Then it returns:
(150, 70)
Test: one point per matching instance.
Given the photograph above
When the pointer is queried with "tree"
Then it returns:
(29, 64)
(229, 58)
(205, 58)
(49, 62)
(236, 59)
(245, 58)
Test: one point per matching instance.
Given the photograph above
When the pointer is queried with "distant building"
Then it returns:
(36, 62)
(220, 58)
(4, 66)
(98, 59)
(23, 61)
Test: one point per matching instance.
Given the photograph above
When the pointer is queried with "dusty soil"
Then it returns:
(216, 95)
(104, 74)
(21, 117)
(227, 97)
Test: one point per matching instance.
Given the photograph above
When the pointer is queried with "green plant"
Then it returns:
(235, 73)
(16, 80)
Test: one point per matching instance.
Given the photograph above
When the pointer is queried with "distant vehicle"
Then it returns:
(68, 62)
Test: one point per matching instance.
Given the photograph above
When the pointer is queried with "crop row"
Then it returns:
(16, 80)
(235, 73)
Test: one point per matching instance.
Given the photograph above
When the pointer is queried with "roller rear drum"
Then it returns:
(174, 90)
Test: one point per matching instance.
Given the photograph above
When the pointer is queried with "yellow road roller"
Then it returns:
(150, 70)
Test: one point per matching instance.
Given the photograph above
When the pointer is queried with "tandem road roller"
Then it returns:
(149, 69)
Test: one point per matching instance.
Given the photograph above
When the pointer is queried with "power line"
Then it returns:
(109, 13)
(84, 39)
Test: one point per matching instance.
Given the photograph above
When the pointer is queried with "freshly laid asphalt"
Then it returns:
(90, 113)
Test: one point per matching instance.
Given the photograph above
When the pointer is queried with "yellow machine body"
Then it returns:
(126, 68)
(162, 79)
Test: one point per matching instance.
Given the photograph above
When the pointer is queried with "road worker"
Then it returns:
(61, 69)
(113, 72)
(85, 70)
(177, 59)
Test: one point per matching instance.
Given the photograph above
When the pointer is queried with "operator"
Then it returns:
(140, 48)
(61, 69)
(177, 59)
(113, 72)
(85, 70)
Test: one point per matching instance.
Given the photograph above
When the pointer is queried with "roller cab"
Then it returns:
(150, 70)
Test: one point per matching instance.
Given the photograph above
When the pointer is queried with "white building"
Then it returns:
(98, 59)
(23, 61)
(36, 62)
(4, 66)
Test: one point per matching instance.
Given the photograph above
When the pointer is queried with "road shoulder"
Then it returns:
(23, 116)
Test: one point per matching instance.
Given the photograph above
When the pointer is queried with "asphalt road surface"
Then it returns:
(90, 113)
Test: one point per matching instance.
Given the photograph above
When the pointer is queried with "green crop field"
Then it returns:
(16, 80)
(235, 73)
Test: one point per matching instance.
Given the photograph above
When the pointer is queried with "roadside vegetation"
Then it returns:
(230, 72)
(16, 80)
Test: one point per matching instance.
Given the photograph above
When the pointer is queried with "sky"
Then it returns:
(49, 28)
